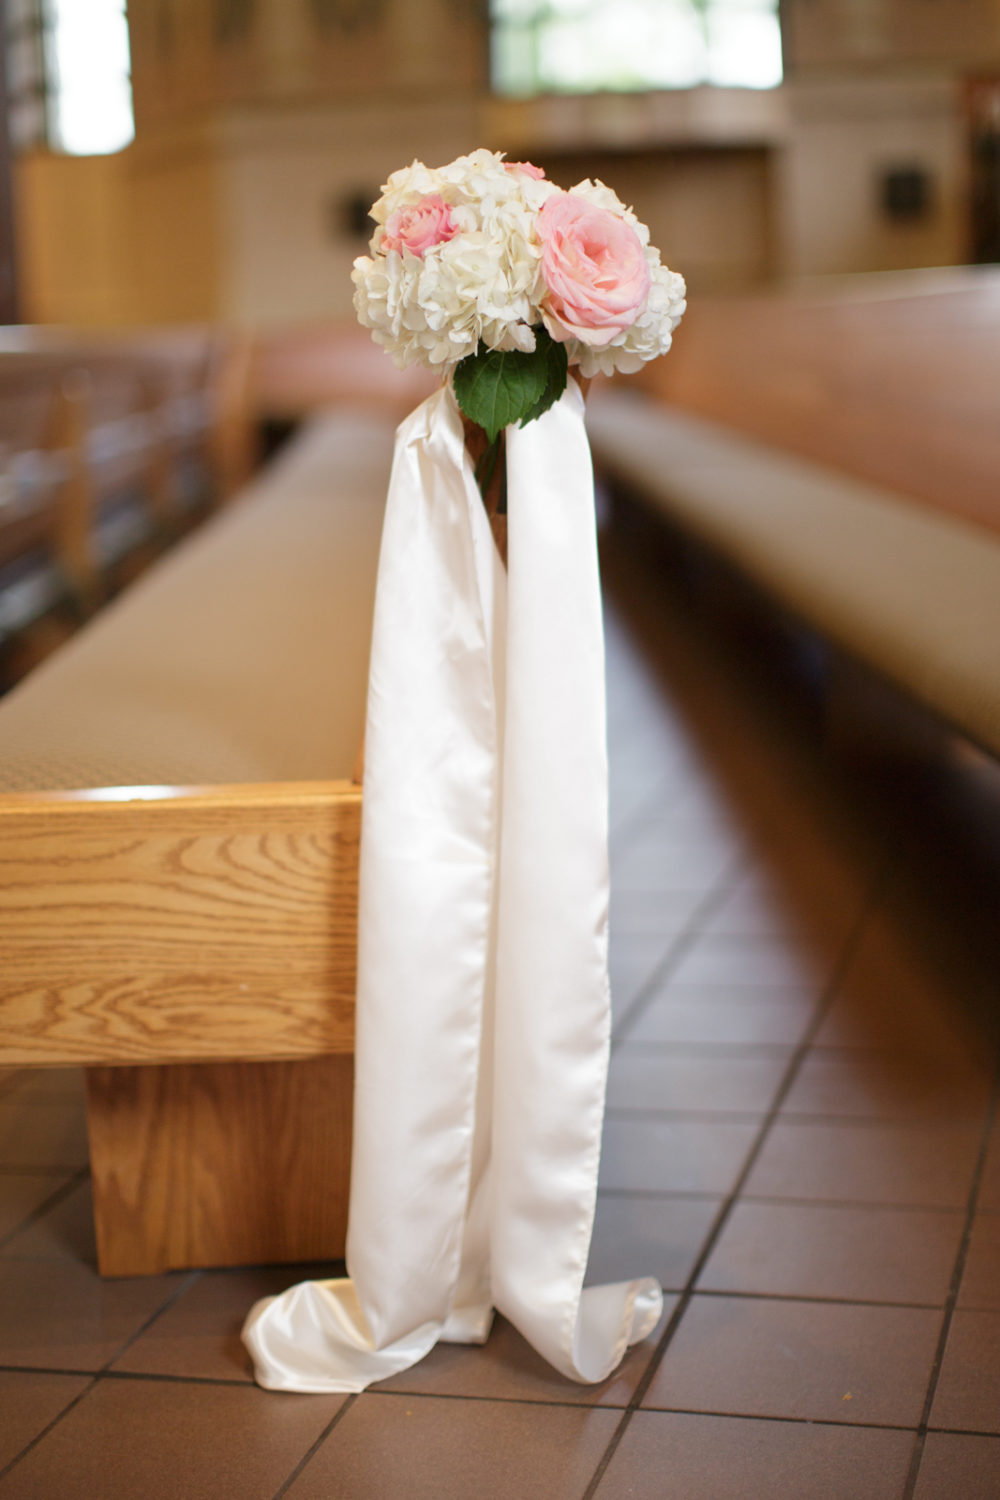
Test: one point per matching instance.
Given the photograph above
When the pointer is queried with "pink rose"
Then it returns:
(595, 269)
(420, 226)
(527, 168)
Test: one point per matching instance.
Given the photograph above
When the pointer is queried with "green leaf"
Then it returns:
(495, 389)
(556, 372)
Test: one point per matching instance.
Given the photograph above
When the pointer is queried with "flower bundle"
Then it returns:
(490, 273)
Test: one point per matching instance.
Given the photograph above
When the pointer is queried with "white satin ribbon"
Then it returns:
(483, 1011)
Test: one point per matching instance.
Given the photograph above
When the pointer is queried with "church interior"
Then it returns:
(799, 537)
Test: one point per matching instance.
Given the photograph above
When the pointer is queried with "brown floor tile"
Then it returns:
(958, 1468)
(22, 1193)
(765, 910)
(632, 962)
(856, 1254)
(672, 865)
(989, 1186)
(164, 1440)
(767, 963)
(685, 1016)
(890, 1022)
(913, 1165)
(718, 1458)
(641, 1236)
(425, 1448)
(968, 1392)
(640, 1079)
(28, 1403)
(61, 1316)
(894, 995)
(981, 1277)
(660, 914)
(42, 1133)
(650, 1155)
(63, 1232)
(199, 1334)
(886, 1086)
(815, 1361)
(506, 1368)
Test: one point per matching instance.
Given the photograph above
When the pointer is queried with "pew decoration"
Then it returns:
(483, 1007)
(491, 274)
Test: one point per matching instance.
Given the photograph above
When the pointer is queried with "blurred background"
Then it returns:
(193, 160)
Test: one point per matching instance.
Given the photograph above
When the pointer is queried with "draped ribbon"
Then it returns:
(483, 1013)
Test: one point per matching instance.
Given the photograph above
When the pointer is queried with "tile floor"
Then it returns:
(800, 1144)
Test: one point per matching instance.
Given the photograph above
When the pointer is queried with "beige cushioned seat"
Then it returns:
(912, 592)
(242, 657)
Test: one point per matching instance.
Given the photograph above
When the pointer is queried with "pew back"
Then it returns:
(889, 378)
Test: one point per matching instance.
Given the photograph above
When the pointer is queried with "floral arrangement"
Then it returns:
(490, 273)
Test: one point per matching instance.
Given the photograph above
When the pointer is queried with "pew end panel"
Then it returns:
(204, 977)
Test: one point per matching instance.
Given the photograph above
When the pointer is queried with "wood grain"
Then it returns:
(179, 925)
(890, 379)
(219, 1164)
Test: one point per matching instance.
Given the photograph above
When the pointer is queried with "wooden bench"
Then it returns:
(110, 445)
(842, 450)
(178, 856)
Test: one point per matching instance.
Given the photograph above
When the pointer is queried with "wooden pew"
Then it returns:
(110, 446)
(178, 853)
(841, 450)
(887, 378)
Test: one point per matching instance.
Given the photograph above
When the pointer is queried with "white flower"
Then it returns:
(484, 282)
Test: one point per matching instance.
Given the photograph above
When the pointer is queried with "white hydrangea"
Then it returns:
(483, 284)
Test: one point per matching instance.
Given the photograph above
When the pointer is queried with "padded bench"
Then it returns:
(178, 868)
(907, 590)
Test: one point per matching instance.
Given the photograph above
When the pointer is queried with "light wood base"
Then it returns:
(219, 1164)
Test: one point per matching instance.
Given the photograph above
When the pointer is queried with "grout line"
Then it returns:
(823, 1005)
(725, 1294)
(95, 1377)
(765, 1200)
(800, 1117)
(106, 1374)
(760, 1416)
(124, 1376)
(692, 1116)
(163, 1378)
(310, 1453)
(953, 1291)
(652, 802)
(40, 1436)
(677, 948)
(712, 1051)
(56, 1197)
(186, 1282)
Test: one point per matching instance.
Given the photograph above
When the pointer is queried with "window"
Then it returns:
(69, 75)
(579, 46)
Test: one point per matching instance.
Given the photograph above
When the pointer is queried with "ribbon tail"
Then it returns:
(416, 1254)
(553, 1002)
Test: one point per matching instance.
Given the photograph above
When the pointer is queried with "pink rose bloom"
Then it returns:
(595, 269)
(419, 227)
(527, 168)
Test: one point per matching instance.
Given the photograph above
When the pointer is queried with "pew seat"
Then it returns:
(178, 865)
(909, 591)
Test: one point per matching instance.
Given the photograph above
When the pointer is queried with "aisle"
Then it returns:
(798, 1143)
